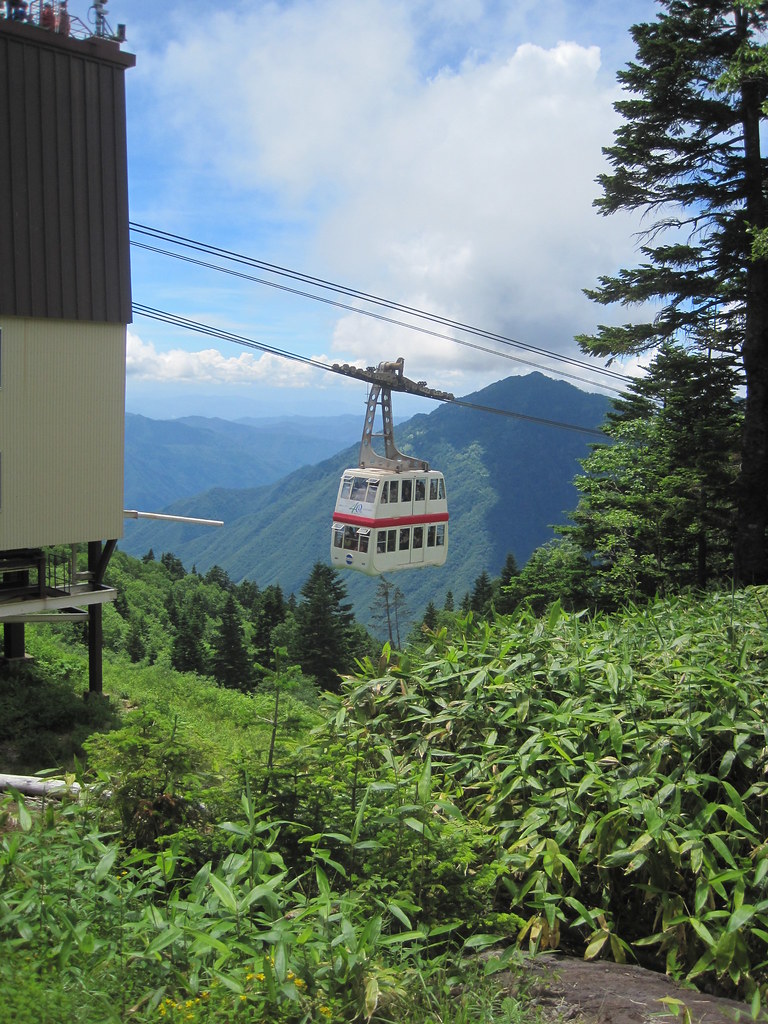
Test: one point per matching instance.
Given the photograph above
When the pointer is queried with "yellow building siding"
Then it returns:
(62, 415)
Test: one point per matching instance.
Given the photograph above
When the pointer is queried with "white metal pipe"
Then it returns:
(133, 514)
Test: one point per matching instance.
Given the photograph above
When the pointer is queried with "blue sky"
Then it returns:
(440, 153)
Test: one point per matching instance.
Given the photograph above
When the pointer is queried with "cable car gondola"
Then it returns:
(391, 510)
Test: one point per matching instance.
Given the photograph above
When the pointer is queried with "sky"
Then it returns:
(442, 154)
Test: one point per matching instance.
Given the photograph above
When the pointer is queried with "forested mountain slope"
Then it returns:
(166, 460)
(508, 479)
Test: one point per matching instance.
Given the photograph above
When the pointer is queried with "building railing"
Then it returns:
(59, 571)
(55, 16)
(36, 573)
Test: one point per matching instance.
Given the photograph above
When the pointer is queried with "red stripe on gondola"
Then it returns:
(350, 520)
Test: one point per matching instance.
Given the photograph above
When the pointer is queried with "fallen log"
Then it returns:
(32, 785)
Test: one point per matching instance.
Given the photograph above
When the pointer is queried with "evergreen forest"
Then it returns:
(275, 813)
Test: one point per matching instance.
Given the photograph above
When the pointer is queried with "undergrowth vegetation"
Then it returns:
(589, 783)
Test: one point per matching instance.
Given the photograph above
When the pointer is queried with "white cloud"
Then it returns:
(429, 151)
(145, 362)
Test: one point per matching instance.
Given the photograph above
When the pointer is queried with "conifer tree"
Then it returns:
(430, 616)
(174, 565)
(482, 592)
(271, 611)
(657, 507)
(688, 155)
(383, 612)
(218, 577)
(231, 663)
(325, 620)
(502, 600)
(188, 652)
(135, 645)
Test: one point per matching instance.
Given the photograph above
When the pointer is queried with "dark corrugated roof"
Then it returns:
(64, 242)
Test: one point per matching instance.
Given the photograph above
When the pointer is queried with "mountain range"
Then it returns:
(509, 481)
(166, 460)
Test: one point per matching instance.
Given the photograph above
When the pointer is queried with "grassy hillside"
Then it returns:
(590, 784)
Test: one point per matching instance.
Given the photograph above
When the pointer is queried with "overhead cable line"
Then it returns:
(238, 339)
(364, 296)
(375, 316)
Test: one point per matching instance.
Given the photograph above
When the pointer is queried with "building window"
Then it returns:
(355, 538)
(373, 486)
(359, 488)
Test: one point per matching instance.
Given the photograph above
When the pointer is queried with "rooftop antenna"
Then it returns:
(100, 16)
(102, 28)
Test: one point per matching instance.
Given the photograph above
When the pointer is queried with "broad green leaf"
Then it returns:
(280, 961)
(702, 931)
(704, 963)
(25, 818)
(740, 917)
(614, 729)
(416, 825)
(701, 896)
(618, 949)
(740, 818)
(726, 763)
(400, 938)
(717, 843)
(481, 941)
(724, 949)
(323, 885)
(224, 893)
(371, 997)
(165, 938)
(596, 945)
(400, 914)
(205, 941)
(755, 1004)
(104, 866)
(584, 914)
(424, 785)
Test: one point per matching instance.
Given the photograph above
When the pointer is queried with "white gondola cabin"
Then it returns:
(386, 521)
(391, 510)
